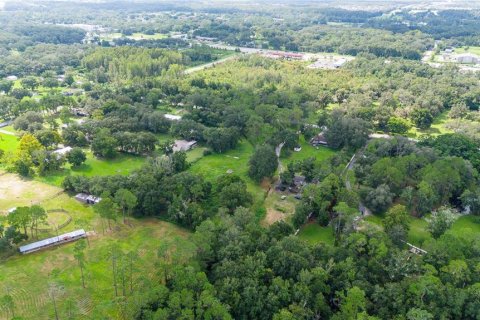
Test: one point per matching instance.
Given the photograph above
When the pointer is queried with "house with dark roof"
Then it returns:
(319, 140)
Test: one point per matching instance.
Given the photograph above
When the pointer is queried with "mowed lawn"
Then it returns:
(314, 233)
(308, 151)
(214, 165)
(27, 277)
(8, 142)
(122, 164)
(464, 226)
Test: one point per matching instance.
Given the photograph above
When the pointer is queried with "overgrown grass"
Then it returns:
(27, 277)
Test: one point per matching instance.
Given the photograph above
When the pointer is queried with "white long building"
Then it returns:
(54, 241)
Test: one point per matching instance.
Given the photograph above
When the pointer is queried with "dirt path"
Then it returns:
(7, 132)
(363, 209)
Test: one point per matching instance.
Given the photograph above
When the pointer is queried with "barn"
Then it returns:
(54, 241)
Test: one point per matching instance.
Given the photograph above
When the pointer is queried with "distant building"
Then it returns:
(87, 198)
(54, 241)
(298, 183)
(12, 78)
(318, 140)
(172, 117)
(79, 112)
(184, 145)
(467, 58)
(62, 151)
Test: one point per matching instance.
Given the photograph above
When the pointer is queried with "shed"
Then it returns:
(62, 151)
(318, 140)
(184, 145)
(54, 241)
(87, 198)
(172, 117)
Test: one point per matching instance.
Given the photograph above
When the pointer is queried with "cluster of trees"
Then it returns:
(251, 272)
(393, 170)
(163, 187)
(128, 63)
(34, 157)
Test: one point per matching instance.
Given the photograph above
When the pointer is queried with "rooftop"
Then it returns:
(50, 241)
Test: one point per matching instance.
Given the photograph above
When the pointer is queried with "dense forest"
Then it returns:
(232, 184)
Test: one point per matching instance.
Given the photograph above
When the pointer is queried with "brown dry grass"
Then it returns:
(16, 191)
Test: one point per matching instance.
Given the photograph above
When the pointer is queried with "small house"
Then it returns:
(172, 117)
(12, 78)
(318, 140)
(87, 198)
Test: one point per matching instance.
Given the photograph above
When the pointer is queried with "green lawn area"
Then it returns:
(217, 164)
(418, 232)
(437, 128)
(320, 153)
(8, 142)
(466, 226)
(121, 164)
(474, 50)
(143, 36)
(314, 233)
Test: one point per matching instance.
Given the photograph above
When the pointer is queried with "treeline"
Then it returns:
(393, 170)
(127, 63)
(353, 41)
(260, 273)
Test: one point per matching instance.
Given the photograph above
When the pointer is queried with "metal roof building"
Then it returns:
(54, 241)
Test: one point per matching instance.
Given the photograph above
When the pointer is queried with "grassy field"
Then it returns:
(122, 164)
(437, 128)
(278, 208)
(464, 226)
(215, 165)
(16, 191)
(320, 153)
(474, 50)
(134, 36)
(8, 142)
(27, 277)
(314, 233)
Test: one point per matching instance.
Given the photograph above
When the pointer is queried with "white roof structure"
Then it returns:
(172, 117)
(63, 151)
(183, 145)
(67, 237)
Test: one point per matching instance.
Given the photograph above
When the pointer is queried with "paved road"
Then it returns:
(7, 132)
(209, 65)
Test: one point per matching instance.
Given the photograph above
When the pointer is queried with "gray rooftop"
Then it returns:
(50, 241)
